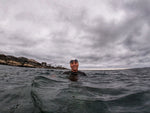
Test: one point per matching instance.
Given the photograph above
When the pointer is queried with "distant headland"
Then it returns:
(25, 62)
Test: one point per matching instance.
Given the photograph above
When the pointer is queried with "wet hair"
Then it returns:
(71, 61)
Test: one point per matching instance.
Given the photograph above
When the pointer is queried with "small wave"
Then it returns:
(56, 97)
(135, 103)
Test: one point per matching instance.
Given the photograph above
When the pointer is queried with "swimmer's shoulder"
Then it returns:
(67, 72)
(79, 73)
(82, 73)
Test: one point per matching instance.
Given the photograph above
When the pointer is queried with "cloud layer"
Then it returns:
(100, 34)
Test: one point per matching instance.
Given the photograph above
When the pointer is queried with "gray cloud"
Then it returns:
(110, 34)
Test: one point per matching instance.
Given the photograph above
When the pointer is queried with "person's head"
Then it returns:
(74, 65)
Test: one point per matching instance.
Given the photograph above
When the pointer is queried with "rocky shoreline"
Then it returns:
(25, 62)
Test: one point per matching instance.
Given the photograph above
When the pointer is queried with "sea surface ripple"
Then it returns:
(34, 90)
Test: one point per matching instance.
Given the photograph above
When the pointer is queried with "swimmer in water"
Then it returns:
(74, 73)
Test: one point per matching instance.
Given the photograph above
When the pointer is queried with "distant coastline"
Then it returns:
(25, 62)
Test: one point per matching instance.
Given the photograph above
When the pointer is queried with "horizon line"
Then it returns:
(104, 68)
(112, 68)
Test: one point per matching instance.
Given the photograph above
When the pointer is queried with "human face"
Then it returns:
(74, 65)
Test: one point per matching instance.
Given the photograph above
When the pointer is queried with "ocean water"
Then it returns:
(33, 90)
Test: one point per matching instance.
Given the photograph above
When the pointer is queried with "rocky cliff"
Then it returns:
(23, 62)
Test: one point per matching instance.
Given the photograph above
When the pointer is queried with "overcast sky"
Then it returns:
(99, 33)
